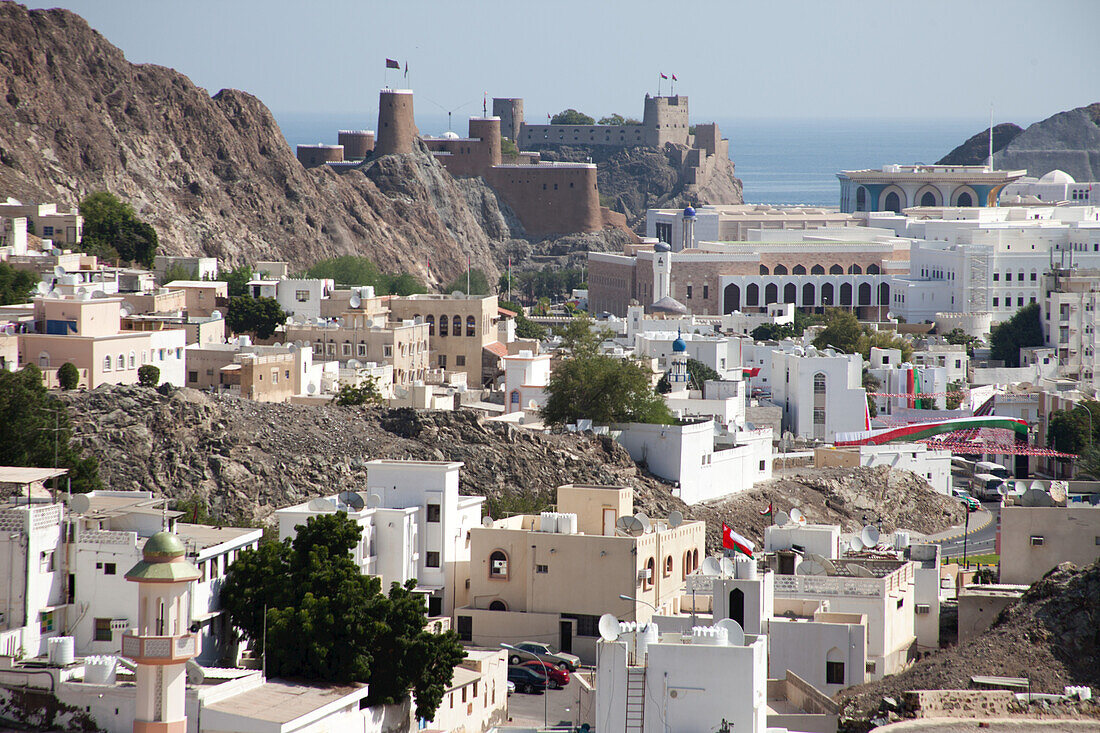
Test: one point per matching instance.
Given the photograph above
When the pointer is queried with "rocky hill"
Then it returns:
(213, 175)
(632, 180)
(245, 459)
(1048, 636)
(975, 151)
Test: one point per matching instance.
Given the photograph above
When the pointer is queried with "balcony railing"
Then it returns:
(160, 648)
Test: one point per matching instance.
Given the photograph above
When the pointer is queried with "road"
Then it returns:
(527, 710)
(979, 541)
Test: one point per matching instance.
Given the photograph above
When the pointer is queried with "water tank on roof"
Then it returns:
(100, 670)
(61, 650)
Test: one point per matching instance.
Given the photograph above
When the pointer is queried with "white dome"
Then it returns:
(1057, 176)
(450, 135)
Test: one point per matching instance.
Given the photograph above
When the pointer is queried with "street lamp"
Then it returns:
(625, 597)
(545, 690)
(1089, 413)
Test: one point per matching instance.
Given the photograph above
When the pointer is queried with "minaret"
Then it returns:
(678, 368)
(662, 271)
(162, 643)
(688, 240)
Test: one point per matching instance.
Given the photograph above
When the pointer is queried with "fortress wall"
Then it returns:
(311, 156)
(357, 143)
(397, 131)
(617, 135)
(510, 112)
(550, 199)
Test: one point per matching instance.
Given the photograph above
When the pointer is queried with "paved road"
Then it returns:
(527, 710)
(981, 538)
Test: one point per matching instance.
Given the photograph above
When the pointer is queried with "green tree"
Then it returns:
(346, 270)
(618, 119)
(479, 284)
(871, 383)
(525, 327)
(959, 337)
(176, 271)
(236, 280)
(1089, 462)
(1024, 329)
(325, 620)
(260, 316)
(884, 340)
(1068, 431)
(508, 148)
(603, 389)
(699, 373)
(148, 375)
(571, 117)
(580, 337)
(112, 229)
(16, 286)
(402, 284)
(956, 391)
(772, 332)
(34, 425)
(68, 376)
(842, 331)
(366, 393)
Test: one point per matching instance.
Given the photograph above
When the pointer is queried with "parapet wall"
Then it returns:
(616, 135)
(312, 156)
(397, 131)
(550, 198)
(357, 143)
(665, 121)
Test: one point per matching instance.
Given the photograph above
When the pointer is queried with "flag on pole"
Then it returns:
(392, 64)
(663, 76)
(733, 541)
(674, 78)
(406, 69)
(767, 512)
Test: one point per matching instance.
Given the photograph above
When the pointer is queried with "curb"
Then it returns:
(979, 528)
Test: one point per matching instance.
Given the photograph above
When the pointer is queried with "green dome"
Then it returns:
(162, 547)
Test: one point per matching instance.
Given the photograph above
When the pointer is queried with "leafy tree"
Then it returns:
(68, 376)
(871, 383)
(1089, 462)
(148, 375)
(326, 620)
(955, 394)
(773, 332)
(479, 283)
(16, 286)
(525, 327)
(699, 373)
(236, 280)
(959, 337)
(803, 320)
(842, 331)
(508, 148)
(366, 393)
(34, 424)
(884, 340)
(1019, 332)
(1068, 431)
(618, 119)
(571, 117)
(177, 271)
(112, 229)
(351, 270)
(195, 511)
(581, 337)
(260, 316)
(403, 284)
(549, 282)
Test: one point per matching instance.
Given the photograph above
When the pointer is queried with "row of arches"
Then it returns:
(894, 199)
(834, 269)
(450, 326)
(812, 296)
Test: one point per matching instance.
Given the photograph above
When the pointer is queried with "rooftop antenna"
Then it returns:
(991, 137)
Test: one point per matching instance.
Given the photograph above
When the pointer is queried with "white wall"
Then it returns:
(804, 647)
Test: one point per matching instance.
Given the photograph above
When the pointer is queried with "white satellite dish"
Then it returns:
(727, 566)
(311, 388)
(126, 310)
(646, 525)
(354, 364)
(797, 516)
(629, 526)
(1036, 498)
(675, 519)
(60, 271)
(869, 535)
(216, 315)
(609, 627)
(486, 521)
(856, 544)
(830, 568)
(99, 295)
(808, 567)
(781, 518)
(735, 635)
(860, 572)
(374, 501)
(340, 322)
(711, 566)
(195, 673)
(55, 293)
(321, 505)
(289, 320)
(351, 500)
(80, 504)
(354, 301)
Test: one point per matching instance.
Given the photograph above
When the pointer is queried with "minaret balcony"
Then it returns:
(160, 649)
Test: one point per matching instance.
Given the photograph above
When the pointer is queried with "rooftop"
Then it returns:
(203, 536)
(25, 475)
(281, 701)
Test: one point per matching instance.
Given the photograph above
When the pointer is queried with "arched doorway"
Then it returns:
(893, 203)
(836, 270)
(865, 293)
(752, 295)
(737, 606)
(780, 270)
(964, 199)
(771, 293)
(861, 199)
(928, 199)
(790, 293)
(808, 293)
(883, 294)
(846, 294)
(827, 294)
(731, 298)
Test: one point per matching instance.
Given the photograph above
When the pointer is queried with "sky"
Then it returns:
(770, 59)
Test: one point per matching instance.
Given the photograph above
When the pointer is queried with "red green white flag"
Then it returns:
(733, 541)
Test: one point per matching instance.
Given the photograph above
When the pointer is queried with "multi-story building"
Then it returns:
(415, 525)
(1031, 540)
(201, 268)
(45, 221)
(1053, 187)
(526, 375)
(1070, 301)
(359, 339)
(462, 331)
(549, 578)
(821, 392)
(261, 373)
(905, 378)
(733, 222)
(897, 187)
(297, 297)
(201, 296)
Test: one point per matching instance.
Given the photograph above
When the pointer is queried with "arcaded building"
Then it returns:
(897, 187)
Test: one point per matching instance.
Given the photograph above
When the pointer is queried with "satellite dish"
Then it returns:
(354, 364)
(609, 627)
(374, 501)
(856, 544)
(42, 288)
(55, 293)
(711, 566)
(860, 572)
(311, 388)
(646, 525)
(735, 635)
(216, 315)
(727, 566)
(321, 505)
(195, 673)
(59, 271)
(830, 568)
(675, 518)
(889, 315)
(797, 516)
(1036, 498)
(808, 567)
(289, 320)
(80, 504)
(1058, 493)
(781, 518)
(354, 301)
(486, 521)
(869, 535)
(99, 295)
(351, 500)
(629, 526)
(126, 309)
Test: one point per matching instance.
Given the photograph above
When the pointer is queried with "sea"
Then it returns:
(780, 161)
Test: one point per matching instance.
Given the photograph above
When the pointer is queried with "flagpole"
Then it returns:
(467, 274)
(658, 83)
(509, 279)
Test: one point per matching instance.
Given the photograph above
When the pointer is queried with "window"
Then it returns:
(763, 465)
(430, 320)
(498, 605)
(107, 363)
(471, 326)
(45, 622)
(47, 231)
(901, 602)
(543, 569)
(45, 562)
(387, 350)
(108, 568)
(301, 296)
(834, 673)
(192, 376)
(444, 325)
(102, 629)
(465, 628)
(1036, 540)
(649, 573)
(498, 565)
(460, 360)
(587, 624)
(706, 292)
(433, 560)
(133, 360)
(433, 512)
(923, 609)
(442, 361)
(668, 566)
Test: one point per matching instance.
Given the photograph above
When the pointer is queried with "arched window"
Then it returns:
(430, 320)
(845, 294)
(834, 667)
(471, 326)
(668, 566)
(737, 606)
(861, 199)
(133, 360)
(819, 383)
(498, 605)
(798, 270)
(687, 563)
(855, 270)
(651, 566)
(107, 363)
(444, 322)
(817, 270)
(731, 299)
(763, 269)
(964, 199)
(808, 293)
(752, 295)
(928, 199)
(790, 293)
(865, 293)
(884, 294)
(892, 203)
(498, 565)
(780, 270)
(456, 327)
(120, 362)
(771, 293)
(873, 269)
(836, 270)
(827, 294)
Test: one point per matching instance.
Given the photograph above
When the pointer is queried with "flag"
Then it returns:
(733, 541)
(392, 64)
(674, 78)
(663, 76)
(406, 69)
(548, 117)
(750, 371)
(768, 511)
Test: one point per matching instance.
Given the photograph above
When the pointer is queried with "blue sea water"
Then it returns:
(779, 161)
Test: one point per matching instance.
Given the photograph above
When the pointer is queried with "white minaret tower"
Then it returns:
(678, 367)
(688, 240)
(662, 271)
(162, 643)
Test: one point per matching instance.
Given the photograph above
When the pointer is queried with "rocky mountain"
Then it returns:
(213, 174)
(975, 151)
(632, 180)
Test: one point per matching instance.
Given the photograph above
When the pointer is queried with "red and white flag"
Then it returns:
(767, 511)
(733, 541)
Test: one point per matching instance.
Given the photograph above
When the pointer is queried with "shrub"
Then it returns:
(68, 376)
(148, 375)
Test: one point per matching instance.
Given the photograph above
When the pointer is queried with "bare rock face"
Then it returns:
(213, 175)
(975, 151)
(1069, 141)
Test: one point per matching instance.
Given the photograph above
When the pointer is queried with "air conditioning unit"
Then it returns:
(500, 565)
(923, 608)
(645, 574)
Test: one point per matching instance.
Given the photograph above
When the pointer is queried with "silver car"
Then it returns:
(542, 652)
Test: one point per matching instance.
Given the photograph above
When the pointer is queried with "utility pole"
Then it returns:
(966, 536)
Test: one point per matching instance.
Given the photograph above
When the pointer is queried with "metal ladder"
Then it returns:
(635, 699)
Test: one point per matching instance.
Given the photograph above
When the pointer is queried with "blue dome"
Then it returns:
(689, 211)
(679, 346)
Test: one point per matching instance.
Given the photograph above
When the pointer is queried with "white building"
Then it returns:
(415, 525)
(732, 223)
(952, 358)
(703, 463)
(298, 297)
(1053, 187)
(903, 378)
(201, 268)
(525, 378)
(32, 560)
(720, 353)
(1070, 303)
(821, 392)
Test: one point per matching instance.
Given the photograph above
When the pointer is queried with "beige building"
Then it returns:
(403, 345)
(45, 221)
(201, 295)
(261, 373)
(477, 698)
(549, 578)
(1033, 539)
(733, 222)
(462, 330)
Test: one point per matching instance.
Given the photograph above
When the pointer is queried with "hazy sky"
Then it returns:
(770, 59)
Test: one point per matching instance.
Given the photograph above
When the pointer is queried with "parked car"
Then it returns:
(558, 677)
(971, 504)
(526, 679)
(511, 687)
(568, 662)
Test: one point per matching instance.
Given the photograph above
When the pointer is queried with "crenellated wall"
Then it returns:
(550, 198)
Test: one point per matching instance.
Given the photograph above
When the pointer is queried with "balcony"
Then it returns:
(159, 649)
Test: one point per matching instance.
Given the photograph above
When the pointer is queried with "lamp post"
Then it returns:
(545, 690)
(625, 597)
(1089, 413)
